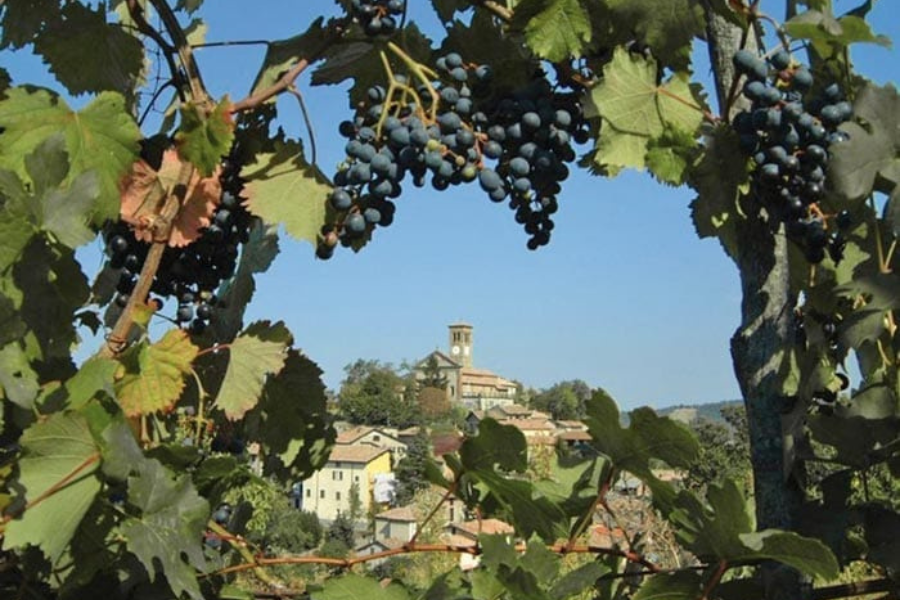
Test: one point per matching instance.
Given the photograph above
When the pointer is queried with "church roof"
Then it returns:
(483, 377)
(442, 359)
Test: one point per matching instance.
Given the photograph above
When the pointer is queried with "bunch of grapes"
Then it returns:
(190, 274)
(788, 132)
(377, 17)
(516, 146)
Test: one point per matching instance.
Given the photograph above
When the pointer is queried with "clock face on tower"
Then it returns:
(455, 350)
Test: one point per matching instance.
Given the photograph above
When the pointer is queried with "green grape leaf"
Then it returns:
(712, 531)
(94, 376)
(528, 512)
(721, 176)
(495, 445)
(281, 188)
(57, 470)
(22, 20)
(667, 27)
(61, 212)
(874, 145)
(578, 580)
(827, 32)
(446, 9)
(48, 165)
(170, 527)
(205, 139)
(555, 30)
(291, 419)
(190, 6)
(48, 287)
(669, 157)
(16, 227)
(256, 257)
(807, 555)
(115, 59)
(196, 31)
(155, 373)
(685, 585)
(18, 381)
(102, 137)
(281, 55)
(635, 110)
(648, 437)
(357, 587)
(253, 356)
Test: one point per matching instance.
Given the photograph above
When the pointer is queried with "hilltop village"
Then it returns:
(375, 480)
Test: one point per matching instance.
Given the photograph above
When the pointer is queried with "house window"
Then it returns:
(337, 495)
(337, 475)
(322, 494)
(376, 438)
(356, 478)
(308, 493)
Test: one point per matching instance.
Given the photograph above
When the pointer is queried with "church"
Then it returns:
(476, 389)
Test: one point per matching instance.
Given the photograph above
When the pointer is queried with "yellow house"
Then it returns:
(329, 490)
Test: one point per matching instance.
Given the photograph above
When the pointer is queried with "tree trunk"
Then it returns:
(760, 348)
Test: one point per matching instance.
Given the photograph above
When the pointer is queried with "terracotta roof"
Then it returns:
(402, 513)
(602, 537)
(351, 435)
(575, 436)
(571, 425)
(454, 539)
(530, 424)
(515, 409)
(484, 526)
(355, 454)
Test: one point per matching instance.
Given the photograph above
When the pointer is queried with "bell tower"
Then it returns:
(461, 343)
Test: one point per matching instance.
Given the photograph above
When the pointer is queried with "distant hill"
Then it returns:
(690, 412)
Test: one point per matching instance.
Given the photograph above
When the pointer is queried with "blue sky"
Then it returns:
(625, 296)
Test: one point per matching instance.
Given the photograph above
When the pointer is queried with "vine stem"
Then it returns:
(709, 116)
(588, 516)
(241, 545)
(495, 8)
(185, 54)
(286, 81)
(422, 73)
(561, 548)
(55, 488)
(450, 491)
(714, 580)
(307, 121)
(162, 229)
(136, 11)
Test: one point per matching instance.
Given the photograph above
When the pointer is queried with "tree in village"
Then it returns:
(375, 394)
(565, 400)
(108, 466)
(411, 471)
(724, 451)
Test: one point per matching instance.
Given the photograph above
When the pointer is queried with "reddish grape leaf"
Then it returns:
(144, 191)
(155, 373)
